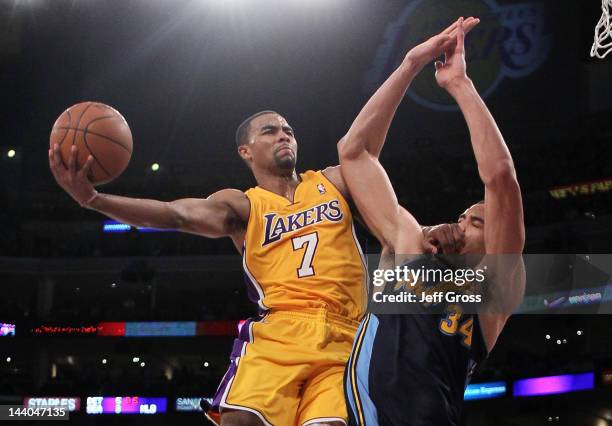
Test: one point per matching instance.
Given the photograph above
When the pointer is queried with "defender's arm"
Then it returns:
(369, 130)
(358, 151)
(504, 230)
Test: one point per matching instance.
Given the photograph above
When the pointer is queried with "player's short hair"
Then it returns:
(242, 133)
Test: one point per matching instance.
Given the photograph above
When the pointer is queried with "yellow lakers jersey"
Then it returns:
(304, 254)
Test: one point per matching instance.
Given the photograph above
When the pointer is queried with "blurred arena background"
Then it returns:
(93, 309)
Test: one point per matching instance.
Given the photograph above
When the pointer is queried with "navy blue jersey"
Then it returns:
(412, 369)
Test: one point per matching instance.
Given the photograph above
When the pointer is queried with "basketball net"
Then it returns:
(602, 44)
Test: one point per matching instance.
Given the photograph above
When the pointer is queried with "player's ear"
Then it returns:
(245, 153)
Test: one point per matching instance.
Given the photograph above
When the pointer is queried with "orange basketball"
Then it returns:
(97, 130)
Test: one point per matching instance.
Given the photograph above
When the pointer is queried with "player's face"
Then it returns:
(472, 224)
(272, 143)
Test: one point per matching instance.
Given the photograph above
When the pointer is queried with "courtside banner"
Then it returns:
(72, 403)
(188, 404)
(125, 405)
(493, 284)
(167, 328)
(484, 390)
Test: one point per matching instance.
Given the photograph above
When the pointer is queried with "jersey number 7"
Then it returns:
(310, 241)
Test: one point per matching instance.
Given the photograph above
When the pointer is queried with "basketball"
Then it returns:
(97, 130)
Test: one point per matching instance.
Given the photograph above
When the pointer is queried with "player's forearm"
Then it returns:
(136, 211)
(369, 130)
(492, 155)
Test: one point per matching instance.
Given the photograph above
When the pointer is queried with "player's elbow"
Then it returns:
(350, 148)
(502, 175)
(345, 150)
(341, 146)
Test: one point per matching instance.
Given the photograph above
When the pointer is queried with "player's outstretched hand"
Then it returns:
(435, 46)
(453, 69)
(73, 181)
(447, 238)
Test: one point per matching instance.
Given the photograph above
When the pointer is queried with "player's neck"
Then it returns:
(283, 185)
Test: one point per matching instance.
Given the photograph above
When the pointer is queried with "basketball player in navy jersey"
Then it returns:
(413, 369)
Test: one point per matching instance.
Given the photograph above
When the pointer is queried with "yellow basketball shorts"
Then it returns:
(287, 368)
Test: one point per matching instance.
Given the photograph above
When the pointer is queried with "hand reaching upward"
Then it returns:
(443, 42)
(453, 69)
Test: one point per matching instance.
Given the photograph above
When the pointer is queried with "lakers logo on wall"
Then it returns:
(510, 41)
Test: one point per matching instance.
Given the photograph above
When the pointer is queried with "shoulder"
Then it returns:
(234, 199)
(228, 195)
(334, 175)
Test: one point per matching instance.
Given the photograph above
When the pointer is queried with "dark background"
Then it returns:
(186, 73)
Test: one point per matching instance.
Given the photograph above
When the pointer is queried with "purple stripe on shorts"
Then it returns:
(243, 337)
(229, 375)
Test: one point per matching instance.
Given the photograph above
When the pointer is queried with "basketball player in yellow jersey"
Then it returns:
(303, 269)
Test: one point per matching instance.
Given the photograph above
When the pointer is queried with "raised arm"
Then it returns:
(377, 203)
(504, 227)
(504, 230)
(369, 130)
(358, 151)
(222, 214)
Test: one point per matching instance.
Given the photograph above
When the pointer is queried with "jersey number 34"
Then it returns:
(452, 324)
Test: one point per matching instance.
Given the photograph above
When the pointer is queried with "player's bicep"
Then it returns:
(504, 242)
(211, 217)
(373, 194)
(504, 223)
(334, 175)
